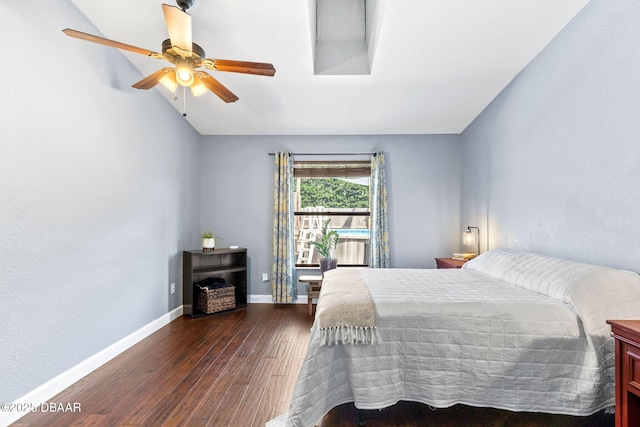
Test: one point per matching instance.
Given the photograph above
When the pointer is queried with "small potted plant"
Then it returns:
(326, 246)
(209, 241)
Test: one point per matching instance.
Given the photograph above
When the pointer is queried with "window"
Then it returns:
(335, 191)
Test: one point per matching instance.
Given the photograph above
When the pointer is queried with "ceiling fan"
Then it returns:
(187, 57)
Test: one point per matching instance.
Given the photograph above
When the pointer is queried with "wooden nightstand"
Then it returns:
(449, 263)
(315, 283)
(627, 335)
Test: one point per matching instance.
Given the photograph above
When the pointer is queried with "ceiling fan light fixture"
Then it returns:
(198, 88)
(169, 81)
(185, 73)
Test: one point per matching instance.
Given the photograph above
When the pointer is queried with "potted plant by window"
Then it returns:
(209, 241)
(326, 247)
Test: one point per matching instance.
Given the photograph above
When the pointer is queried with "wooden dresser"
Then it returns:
(627, 335)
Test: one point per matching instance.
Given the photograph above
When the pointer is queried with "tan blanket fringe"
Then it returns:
(346, 312)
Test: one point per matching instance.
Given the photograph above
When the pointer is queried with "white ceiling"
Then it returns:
(435, 64)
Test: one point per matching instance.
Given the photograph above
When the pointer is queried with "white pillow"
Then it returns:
(542, 274)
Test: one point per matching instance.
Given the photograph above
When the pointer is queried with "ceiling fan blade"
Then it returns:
(179, 28)
(152, 80)
(259, 68)
(216, 87)
(101, 40)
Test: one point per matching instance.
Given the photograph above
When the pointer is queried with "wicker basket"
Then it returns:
(220, 298)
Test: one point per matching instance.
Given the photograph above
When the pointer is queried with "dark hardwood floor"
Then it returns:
(238, 369)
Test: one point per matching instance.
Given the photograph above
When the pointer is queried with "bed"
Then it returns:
(511, 330)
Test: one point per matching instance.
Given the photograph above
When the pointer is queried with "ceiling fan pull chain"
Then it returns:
(184, 101)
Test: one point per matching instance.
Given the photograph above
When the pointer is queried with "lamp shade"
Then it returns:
(198, 88)
(468, 238)
(169, 81)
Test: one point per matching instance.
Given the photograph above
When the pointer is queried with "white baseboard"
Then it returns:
(54, 386)
(266, 299)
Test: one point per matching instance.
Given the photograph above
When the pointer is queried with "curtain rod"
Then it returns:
(328, 154)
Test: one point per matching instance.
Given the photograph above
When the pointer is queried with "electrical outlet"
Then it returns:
(173, 288)
(265, 277)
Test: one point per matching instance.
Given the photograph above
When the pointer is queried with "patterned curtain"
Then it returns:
(379, 252)
(283, 286)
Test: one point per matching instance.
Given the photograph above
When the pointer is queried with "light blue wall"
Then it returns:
(99, 193)
(553, 164)
(423, 174)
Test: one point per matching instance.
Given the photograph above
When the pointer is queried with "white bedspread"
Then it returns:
(538, 343)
